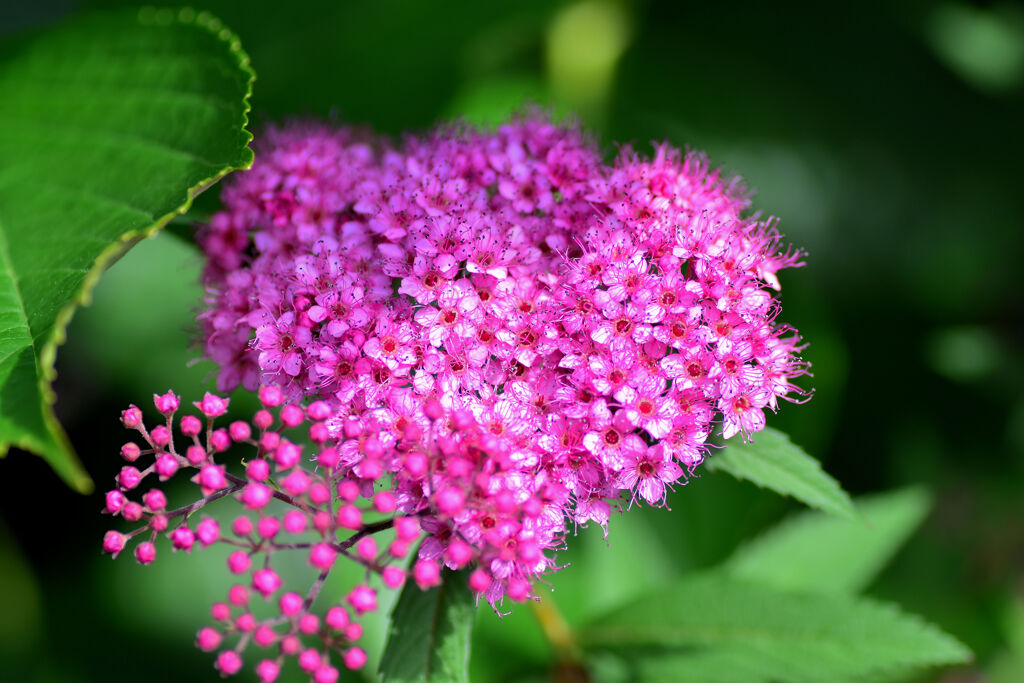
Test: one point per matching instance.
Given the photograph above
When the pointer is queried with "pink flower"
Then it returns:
(648, 472)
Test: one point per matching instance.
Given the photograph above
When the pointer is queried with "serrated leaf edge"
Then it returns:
(846, 511)
(959, 652)
(74, 474)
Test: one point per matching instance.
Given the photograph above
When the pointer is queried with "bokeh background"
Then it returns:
(888, 138)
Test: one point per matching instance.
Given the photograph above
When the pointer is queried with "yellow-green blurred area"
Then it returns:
(887, 136)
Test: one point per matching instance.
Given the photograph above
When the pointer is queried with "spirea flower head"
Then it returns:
(481, 339)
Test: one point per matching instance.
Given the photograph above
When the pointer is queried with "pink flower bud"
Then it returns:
(398, 548)
(258, 470)
(407, 528)
(322, 521)
(355, 658)
(433, 409)
(352, 429)
(349, 517)
(242, 526)
(264, 636)
(309, 660)
(113, 542)
(292, 416)
(295, 522)
(208, 531)
(479, 581)
(263, 420)
(371, 447)
(287, 455)
(325, 674)
(145, 552)
(328, 458)
(220, 611)
(267, 671)
(131, 417)
(220, 441)
(393, 577)
(297, 482)
(132, 511)
(238, 562)
(450, 501)
(309, 624)
(166, 466)
(370, 468)
(229, 662)
(266, 582)
(426, 573)
(115, 500)
(191, 426)
(155, 499)
(290, 645)
(518, 589)
(256, 495)
(208, 639)
(211, 478)
(212, 406)
(529, 552)
(363, 599)
(353, 632)
(271, 396)
(322, 556)
(161, 435)
(319, 433)
(348, 490)
(385, 502)
(239, 431)
(129, 477)
(158, 523)
(130, 451)
(290, 604)
(166, 403)
(459, 553)
(415, 464)
(532, 507)
(245, 622)
(319, 410)
(366, 548)
(238, 595)
(337, 618)
(267, 527)
(183, 538)
(269, 442)
(319, 494)
(196, 455)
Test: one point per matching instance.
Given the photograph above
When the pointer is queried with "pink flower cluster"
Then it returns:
(598, 320)
(496, 336)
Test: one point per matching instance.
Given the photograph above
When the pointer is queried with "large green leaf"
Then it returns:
(772, 461)
(428, 641)
(816, 552)
(712, 627)
(109, 126)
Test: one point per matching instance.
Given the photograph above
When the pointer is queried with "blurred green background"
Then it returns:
(887, 137)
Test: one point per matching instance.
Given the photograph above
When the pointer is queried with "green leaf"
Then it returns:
(428, 641)
(712, 627)
(772, 461)
(109, 126)
(815, 552)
